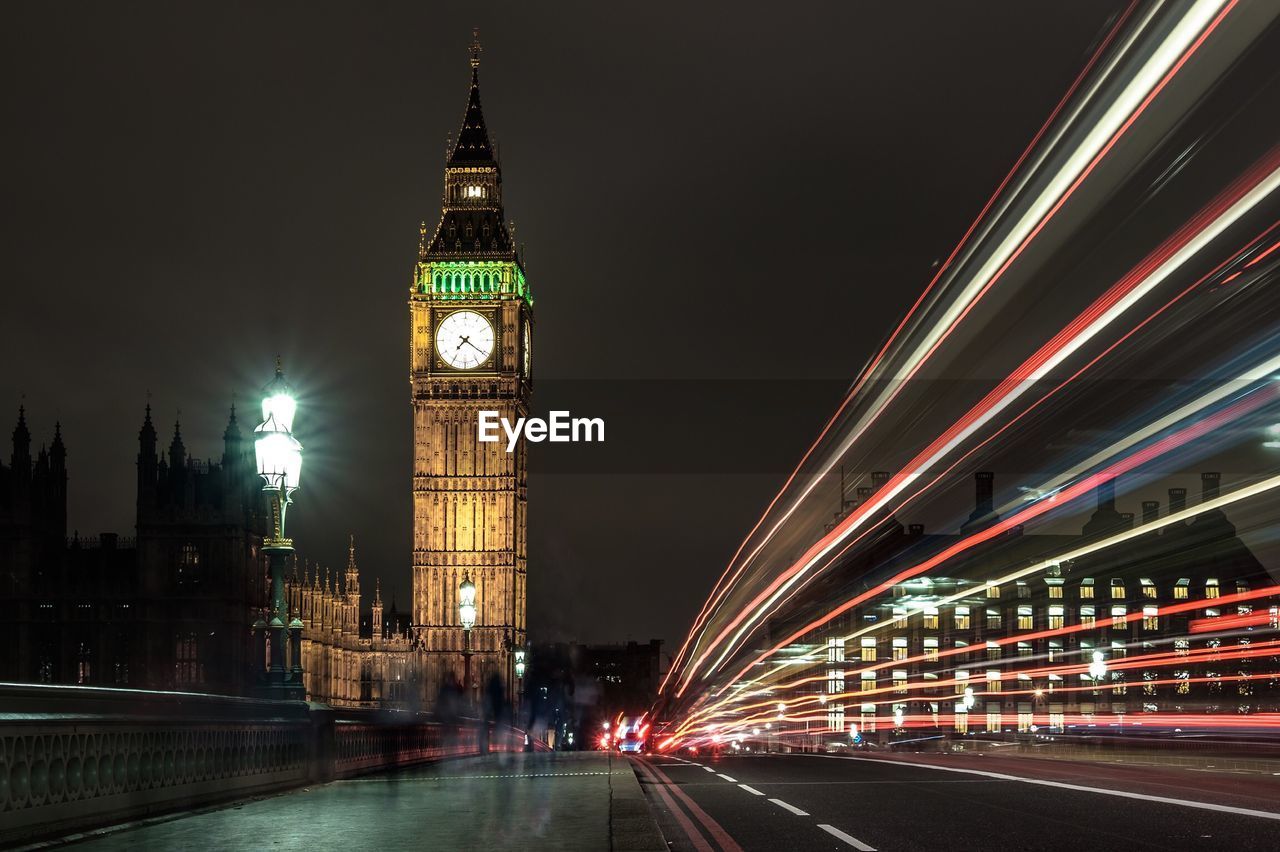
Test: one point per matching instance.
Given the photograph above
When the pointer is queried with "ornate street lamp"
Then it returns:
(279, 457)
(466, 615)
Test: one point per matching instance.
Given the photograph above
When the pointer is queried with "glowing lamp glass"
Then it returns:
(280, 407)
(279, 458)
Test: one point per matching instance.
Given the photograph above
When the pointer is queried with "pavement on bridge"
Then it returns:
(560, 801)
(952, 803)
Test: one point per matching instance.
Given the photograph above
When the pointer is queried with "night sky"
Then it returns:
(715, 207)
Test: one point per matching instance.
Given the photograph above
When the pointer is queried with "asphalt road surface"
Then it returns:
(781, 803)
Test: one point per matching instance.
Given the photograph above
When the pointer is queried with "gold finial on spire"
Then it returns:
(475, 48)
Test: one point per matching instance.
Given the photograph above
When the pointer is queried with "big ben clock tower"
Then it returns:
(470, 316)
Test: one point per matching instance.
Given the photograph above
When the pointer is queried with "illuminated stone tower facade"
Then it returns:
(470, 319)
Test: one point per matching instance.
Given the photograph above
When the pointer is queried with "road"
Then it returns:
(781, 803)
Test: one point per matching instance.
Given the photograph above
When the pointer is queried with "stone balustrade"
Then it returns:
(77, 757)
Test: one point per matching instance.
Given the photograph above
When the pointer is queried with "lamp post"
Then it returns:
(466, 615)
(279, 457)
(521, 655)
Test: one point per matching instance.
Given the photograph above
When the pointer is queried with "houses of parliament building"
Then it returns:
(175, 606)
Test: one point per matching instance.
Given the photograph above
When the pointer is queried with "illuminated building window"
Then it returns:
(1086, 588)
(1244, 610)
(1181, 647)
(868, 718)
(1118, 650)
(1055, 590)
(1148, 589)
(868, 680)
(868, 650)
(961, 718)
(1148, 686)
(1055, 651)
(993, 651)
(993, 717)
(899, 647)
(835, 681)
(1057, 719)
(993, 680)
(930, 621)
(1026, 618)
(1150, 618)
(962, 618)
(1119, 617)
(1056, 617)
(993, 619)
(1183, 677)
(475, 191)
(899, 680)
(1212, 613)
(1182, 590)
(931, 648)
(1025, 649)
(1117, 590)
(835, 650)
(1211, 589)
(835, 717)
(188, 668)
(84, 663)
(1024, 591)
(1242, 588)
(188, 567)
(899, 612)
(993, 592)
(1274, 623)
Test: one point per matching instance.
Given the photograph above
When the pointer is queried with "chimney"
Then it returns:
(984, 483)
(1150, 511)
(1107, 495)
(1209, 486)
(1177, 500)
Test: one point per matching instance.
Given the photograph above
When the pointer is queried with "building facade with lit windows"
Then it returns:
(1171, 627)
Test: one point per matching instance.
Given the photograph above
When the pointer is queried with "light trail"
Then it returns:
(717, 591)
(1266, 394)
(1245, 194)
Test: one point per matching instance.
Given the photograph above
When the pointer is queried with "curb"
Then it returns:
(632, 825)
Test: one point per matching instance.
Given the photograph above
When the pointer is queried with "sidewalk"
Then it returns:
(588, 801)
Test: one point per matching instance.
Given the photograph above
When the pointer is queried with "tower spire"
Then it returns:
(472, 146)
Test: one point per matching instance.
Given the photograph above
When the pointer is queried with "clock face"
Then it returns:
(464, 340)
(527, 346)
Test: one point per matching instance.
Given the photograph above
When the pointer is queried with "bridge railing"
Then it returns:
(77, 757)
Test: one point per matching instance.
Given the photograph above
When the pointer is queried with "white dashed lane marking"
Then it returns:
(752, 790)
(791, 808)
(727, 778)
(852, 841)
